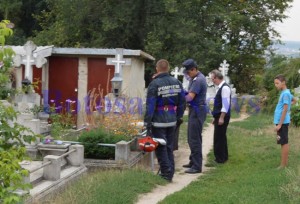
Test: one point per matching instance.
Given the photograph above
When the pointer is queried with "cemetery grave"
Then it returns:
(54, 161)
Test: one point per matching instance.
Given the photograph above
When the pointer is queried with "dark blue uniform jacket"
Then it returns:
(165, 101)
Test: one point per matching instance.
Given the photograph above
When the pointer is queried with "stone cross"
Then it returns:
(29, 59)
(176, 72)
(118, 61)
(224, 68)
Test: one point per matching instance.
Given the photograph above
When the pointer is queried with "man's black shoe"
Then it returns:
(220, 162)
(187, 166)
(166, 177)
(192, 171)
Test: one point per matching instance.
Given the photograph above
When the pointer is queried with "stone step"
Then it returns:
(37, 176)
(31, 165)
(44, 187)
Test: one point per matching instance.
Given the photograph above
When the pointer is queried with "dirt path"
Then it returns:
(180, 179)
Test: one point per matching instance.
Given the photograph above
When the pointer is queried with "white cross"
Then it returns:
(29, 47)
(118, 61)
(29, 59)
(224, 68)
(176, 72)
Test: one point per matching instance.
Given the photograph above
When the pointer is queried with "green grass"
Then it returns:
(250, 175)
(234, 114)
(113, 187)
(255, 122)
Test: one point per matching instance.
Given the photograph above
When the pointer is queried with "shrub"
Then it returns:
(6, 61)
(12, 174)
(91, 138)
(12, 151)
(295, 114)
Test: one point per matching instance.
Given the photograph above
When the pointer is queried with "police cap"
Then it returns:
(189, 64)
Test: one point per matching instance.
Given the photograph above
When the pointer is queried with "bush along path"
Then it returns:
(180, 179)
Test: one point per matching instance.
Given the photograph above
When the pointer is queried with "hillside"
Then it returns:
(288, 48)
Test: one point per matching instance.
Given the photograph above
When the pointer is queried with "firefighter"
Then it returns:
(164, 107)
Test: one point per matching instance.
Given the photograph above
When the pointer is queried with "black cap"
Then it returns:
(189, 64)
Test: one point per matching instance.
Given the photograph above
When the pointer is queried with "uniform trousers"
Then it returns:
(164, 153)
(197, 116)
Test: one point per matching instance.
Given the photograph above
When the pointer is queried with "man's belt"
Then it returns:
(194, 106)
(166, 108)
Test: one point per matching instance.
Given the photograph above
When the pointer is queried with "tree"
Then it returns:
(250, 33)
(209, 31)
(9, 6)
(21, 13)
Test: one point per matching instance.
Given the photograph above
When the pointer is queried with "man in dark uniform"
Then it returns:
(196, 98)
(164, 107)
(221, 114)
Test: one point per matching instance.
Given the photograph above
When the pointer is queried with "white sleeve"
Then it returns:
(225, 99)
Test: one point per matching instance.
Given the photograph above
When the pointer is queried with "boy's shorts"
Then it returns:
(282, 134)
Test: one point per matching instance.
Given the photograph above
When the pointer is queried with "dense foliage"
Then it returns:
(6, 56)
(90, 140)
(12, 135)
(208, 31)
(295, 114)
(12, 151)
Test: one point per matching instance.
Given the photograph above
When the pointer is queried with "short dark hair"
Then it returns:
(163, 65)
(280, 77)
(217, 74)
